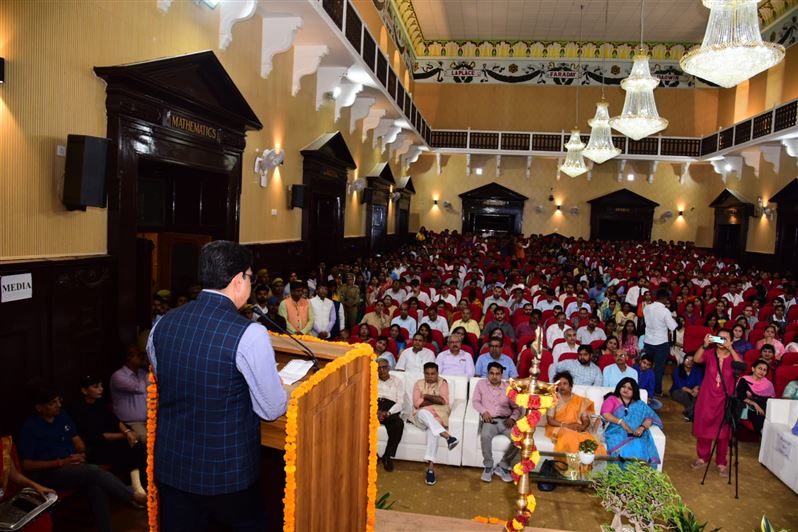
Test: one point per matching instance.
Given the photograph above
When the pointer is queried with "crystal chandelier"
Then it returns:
(600, 148)
(732, 50)
(574, 164)
(639, 117)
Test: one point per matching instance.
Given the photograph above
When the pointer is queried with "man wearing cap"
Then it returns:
(217, 378)
(129, 391)
(296, 310)
(497, 415)
(659, 325)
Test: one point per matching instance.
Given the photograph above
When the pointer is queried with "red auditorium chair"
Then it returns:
(756, 335)
(792, 314)
(694, 337)
(568, 356)
(789, 359)
(784, 375)
(605, 360)
(437, 337)
(597, 344)
(751, 356)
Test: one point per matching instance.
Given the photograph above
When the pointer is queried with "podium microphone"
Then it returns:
(301, 344)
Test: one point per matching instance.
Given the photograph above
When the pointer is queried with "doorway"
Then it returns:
(378, 227)
(615, 230)
(728, 240)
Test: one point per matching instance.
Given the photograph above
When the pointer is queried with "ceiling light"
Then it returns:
(732, 50)
(728, 167)
(600, 148)
(478, 171)
(639, 117)
(574, 164)
(630, 177)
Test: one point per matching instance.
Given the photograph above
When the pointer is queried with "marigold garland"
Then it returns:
(536, 407)
(291, 432)
(152, 490)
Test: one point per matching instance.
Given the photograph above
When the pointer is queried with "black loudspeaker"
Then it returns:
(367, 196)
(298, 196)
(84, 173)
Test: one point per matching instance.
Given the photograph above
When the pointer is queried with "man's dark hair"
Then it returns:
(384, 339)
(585, 347)
(648, 358)
(220, 261)
(430, 365)
(564, 375)
(663, 294)
(496, 365)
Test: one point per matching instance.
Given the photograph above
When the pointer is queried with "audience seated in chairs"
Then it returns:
(128, 387)
(582, 370)
(495, 355)
(390, 402)
(629, 419)
(108, 440)
(53, 454)
(753, 392)
(687, 380)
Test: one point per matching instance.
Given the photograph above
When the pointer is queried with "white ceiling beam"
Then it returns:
(468, 165)
(390, 136)
(683, 172)
(383, 127)
(371, 121)
(360, 109)
(306, 61)
(652, 171)
(529, 166)
(438, 163)
(621, 168)
(277, 36)
(791, 147)
(327, 78)
(346, 97)
(401, 145)
(498, 166)
(230, 14)
(412, 155)
(751, 158)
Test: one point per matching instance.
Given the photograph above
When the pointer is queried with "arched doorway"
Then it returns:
(732, 213)
(621, 215)
(493, 209)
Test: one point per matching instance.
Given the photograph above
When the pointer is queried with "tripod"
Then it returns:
(730, 416)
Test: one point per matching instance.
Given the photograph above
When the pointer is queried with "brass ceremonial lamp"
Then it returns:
(530, 385)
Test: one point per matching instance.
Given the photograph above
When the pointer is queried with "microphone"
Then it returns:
(277, 326)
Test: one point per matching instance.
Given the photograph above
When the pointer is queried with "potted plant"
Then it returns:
(587, 451)
(639, 494)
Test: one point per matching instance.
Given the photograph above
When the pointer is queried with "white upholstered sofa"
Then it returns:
(472, 447)
(779, 448)
(414, 440)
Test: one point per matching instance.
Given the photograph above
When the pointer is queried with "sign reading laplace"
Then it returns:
(16, 287)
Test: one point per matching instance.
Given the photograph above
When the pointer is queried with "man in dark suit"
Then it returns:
(217, 379)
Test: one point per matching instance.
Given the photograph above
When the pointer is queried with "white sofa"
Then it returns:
(414, 440)
(779, 448)
(472, 446)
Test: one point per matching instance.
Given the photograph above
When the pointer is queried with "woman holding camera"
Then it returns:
(718, 386)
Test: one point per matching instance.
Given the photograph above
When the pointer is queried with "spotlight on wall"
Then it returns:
(435, 202)
(630, 177)
(2, 70)
(268, 161)
(559, 208)
(478, 171)
(681, 214)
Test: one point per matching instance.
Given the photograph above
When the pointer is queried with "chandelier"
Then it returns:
(574, 164)
(600, 148)
(732, 50)
(639, 117)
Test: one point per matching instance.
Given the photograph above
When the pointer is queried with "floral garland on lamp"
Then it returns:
(535, 406)
(291, 433)
(152, 489)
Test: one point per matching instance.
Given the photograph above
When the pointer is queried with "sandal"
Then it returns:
(698, 464)
(723, 470)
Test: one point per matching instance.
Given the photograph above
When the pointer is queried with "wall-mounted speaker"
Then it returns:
(298, 196)
(367, 196)
(85, 171)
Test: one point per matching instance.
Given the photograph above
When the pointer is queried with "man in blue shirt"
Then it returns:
(53, 454)
(615, 372)
(495, 354)
(647, 380)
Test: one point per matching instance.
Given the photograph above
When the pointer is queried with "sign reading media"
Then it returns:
(190, 125)
(16, 287)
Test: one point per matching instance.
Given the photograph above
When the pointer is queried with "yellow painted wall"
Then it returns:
(50, 91)
(694, 196)
(535, 108)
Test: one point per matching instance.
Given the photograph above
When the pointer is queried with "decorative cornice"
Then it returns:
(549, 50)
(400, 15)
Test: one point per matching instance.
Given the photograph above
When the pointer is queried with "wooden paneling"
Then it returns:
(65, 331)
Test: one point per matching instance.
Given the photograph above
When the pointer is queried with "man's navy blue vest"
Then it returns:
(208, 436)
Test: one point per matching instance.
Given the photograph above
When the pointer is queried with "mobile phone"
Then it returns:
(717, 340)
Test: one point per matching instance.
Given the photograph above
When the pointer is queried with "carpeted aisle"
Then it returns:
(460, 492)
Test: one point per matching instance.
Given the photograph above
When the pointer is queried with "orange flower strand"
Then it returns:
(152, 490)
(292, 431)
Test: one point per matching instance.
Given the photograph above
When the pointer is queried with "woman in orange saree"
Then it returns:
(569, 423)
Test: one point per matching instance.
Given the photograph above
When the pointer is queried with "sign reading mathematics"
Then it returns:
(543, 72)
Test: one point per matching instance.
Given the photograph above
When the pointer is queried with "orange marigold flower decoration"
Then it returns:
(291, 433)
(152, 489)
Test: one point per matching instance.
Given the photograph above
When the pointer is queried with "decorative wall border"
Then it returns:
(543, 72)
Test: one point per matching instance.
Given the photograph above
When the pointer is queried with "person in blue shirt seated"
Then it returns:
(646, 379)
(495, 354)
(686, 383)
(54, 455)
(615, 372)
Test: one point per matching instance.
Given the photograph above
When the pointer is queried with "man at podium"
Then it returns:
(217, 378)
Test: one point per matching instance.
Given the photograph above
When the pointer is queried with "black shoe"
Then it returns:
(387, 463)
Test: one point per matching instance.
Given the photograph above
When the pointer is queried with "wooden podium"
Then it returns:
(332, 452)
